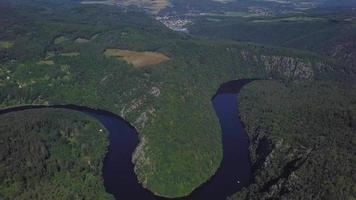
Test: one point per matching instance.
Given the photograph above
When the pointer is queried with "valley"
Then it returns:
(301, 109)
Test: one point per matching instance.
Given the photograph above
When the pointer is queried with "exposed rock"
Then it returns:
(249, 56)
(323, 67)
(81, 40)
(155, 91)
(143, 118)
(135, 105)
(345, 51)
(142, 161)
(288, 66)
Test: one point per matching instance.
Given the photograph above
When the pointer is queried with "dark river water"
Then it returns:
(120, 180)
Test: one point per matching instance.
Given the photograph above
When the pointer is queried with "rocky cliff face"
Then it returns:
(345, 52)
(288, 66)
(277, 66)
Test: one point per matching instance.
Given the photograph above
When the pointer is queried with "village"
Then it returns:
(175, 23)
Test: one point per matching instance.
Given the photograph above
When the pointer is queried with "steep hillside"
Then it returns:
(303, 137)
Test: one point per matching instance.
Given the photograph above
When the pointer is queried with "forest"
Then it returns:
(51, 154)
(303, 139)
(53, 53)
(327, 32)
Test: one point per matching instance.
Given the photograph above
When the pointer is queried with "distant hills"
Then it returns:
(151, 6)
(187, 6)
(347, 3)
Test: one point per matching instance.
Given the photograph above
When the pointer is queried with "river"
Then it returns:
(120, 180)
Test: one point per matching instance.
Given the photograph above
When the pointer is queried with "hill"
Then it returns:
(329, 33)
(303, 139)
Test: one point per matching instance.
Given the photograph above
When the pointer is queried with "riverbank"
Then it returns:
(118, 170)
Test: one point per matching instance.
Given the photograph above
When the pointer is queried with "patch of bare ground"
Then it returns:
(137, 59)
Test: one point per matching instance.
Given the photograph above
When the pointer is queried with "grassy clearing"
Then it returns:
(6, 44)
(223, 1)
(213, 20)
(81, 40)
(50, 55)
(138, 59)
(230, 14)
(153, 6)
(290, 19)
(45, 62)
(60, 40)
(70, 54)
(108, 2)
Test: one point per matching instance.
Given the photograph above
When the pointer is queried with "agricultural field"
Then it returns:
(137, 59)
(152, 6)
(6, 44)
(290, 19)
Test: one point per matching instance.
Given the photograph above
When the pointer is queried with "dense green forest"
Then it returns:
(327, 32)
(52, 53)
(51, 154)
(303, 139)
